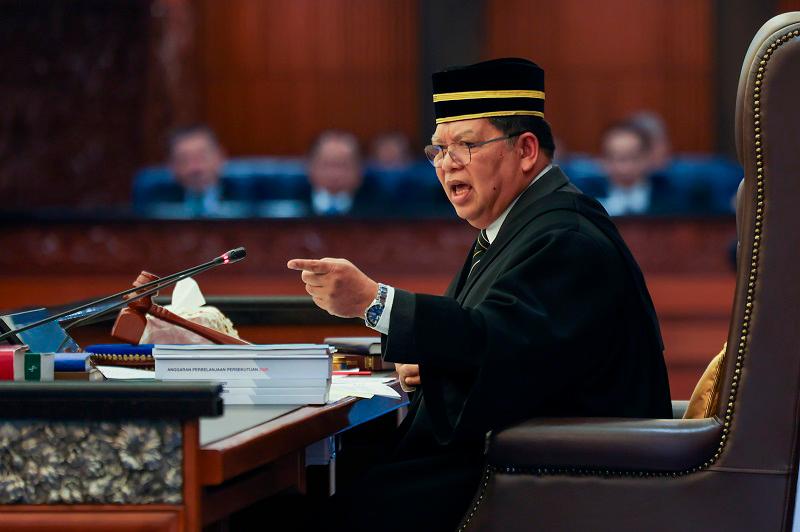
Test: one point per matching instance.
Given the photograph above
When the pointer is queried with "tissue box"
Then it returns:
(33, 366)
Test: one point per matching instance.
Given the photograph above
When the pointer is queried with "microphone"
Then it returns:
(234, 255)
(229, 257)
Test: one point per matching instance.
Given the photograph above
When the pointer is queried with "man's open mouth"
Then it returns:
(459, 189)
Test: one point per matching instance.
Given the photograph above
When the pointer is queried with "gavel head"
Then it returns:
(146, 302)
(131, 321)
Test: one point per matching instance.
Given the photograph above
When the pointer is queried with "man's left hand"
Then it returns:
(336, 285)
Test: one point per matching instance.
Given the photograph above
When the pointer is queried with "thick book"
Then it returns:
(355, 345)
(275, 396)
(66, 362)
(228, 363)
(362, 352)
(273, 383)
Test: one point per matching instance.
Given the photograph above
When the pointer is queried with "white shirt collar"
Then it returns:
(325, 202)
(494, 227)
(630, 200)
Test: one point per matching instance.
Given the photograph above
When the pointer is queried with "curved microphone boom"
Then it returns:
(229, 257)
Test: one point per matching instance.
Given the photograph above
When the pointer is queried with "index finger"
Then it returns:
(309, 265)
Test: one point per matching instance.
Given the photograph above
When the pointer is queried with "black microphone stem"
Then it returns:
(124, 302)
(175, 276)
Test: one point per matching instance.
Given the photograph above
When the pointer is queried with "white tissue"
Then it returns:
(186, 296)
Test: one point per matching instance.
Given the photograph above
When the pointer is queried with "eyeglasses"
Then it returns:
(460, 152)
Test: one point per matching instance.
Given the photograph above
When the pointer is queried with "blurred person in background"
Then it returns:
(409, 181)
(390, 164)
(196, 159)
(660, 153)
(631, 188)
(707, 182)
(336, 175)
(390, 151)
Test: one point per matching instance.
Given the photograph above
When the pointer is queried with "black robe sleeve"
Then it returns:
(539, 343)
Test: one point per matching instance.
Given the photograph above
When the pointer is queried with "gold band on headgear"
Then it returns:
(476, 95)
(500, 87)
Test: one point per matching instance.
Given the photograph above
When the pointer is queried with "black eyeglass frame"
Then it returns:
(432, 151)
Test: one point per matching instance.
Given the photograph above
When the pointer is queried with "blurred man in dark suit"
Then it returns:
(632, 188)
(196, 160)
(336, 176)
(660, 154)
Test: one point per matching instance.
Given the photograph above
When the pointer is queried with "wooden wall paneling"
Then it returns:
(691, 50)
(171, 90)
(788, 5)
(74, 76)
(660, 245)
(603, 61)
(736, 22)
(274, 74)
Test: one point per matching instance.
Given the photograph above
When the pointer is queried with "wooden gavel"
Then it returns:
(132, 320)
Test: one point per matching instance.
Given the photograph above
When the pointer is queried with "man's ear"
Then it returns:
(530, 152)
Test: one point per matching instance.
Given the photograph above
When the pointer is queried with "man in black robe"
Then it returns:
(549, 316)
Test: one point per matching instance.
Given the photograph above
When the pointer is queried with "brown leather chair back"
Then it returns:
(759, 397)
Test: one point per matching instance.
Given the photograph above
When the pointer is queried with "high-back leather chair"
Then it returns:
(738, 469)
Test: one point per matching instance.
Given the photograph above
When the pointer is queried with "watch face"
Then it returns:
(374, 314)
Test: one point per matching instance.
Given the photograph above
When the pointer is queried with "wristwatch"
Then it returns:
(373, 313)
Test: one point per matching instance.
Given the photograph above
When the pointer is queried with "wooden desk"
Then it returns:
(100, 456)
(253, 452)
(124, 457)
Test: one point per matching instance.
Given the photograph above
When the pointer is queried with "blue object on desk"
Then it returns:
(45, 338)
(120, 349)
(71, 362)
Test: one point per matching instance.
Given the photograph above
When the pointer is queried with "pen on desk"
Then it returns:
(352, 373)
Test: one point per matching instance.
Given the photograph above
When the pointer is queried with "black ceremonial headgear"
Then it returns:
(500, 87)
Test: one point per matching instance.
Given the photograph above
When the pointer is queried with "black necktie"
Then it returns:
(480, 248)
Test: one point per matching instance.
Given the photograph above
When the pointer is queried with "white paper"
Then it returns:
(362, 378)
(119, 372)
(337, 392)
(356, 387)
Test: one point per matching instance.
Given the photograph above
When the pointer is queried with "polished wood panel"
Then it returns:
(284, 473)
(191, 485)
(603, 61)
(275, 73)
(382, 247)
(247, 466)
(91, 518)
(260, 445)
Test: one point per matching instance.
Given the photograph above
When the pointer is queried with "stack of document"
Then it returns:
(362, 352)
(274, 374)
